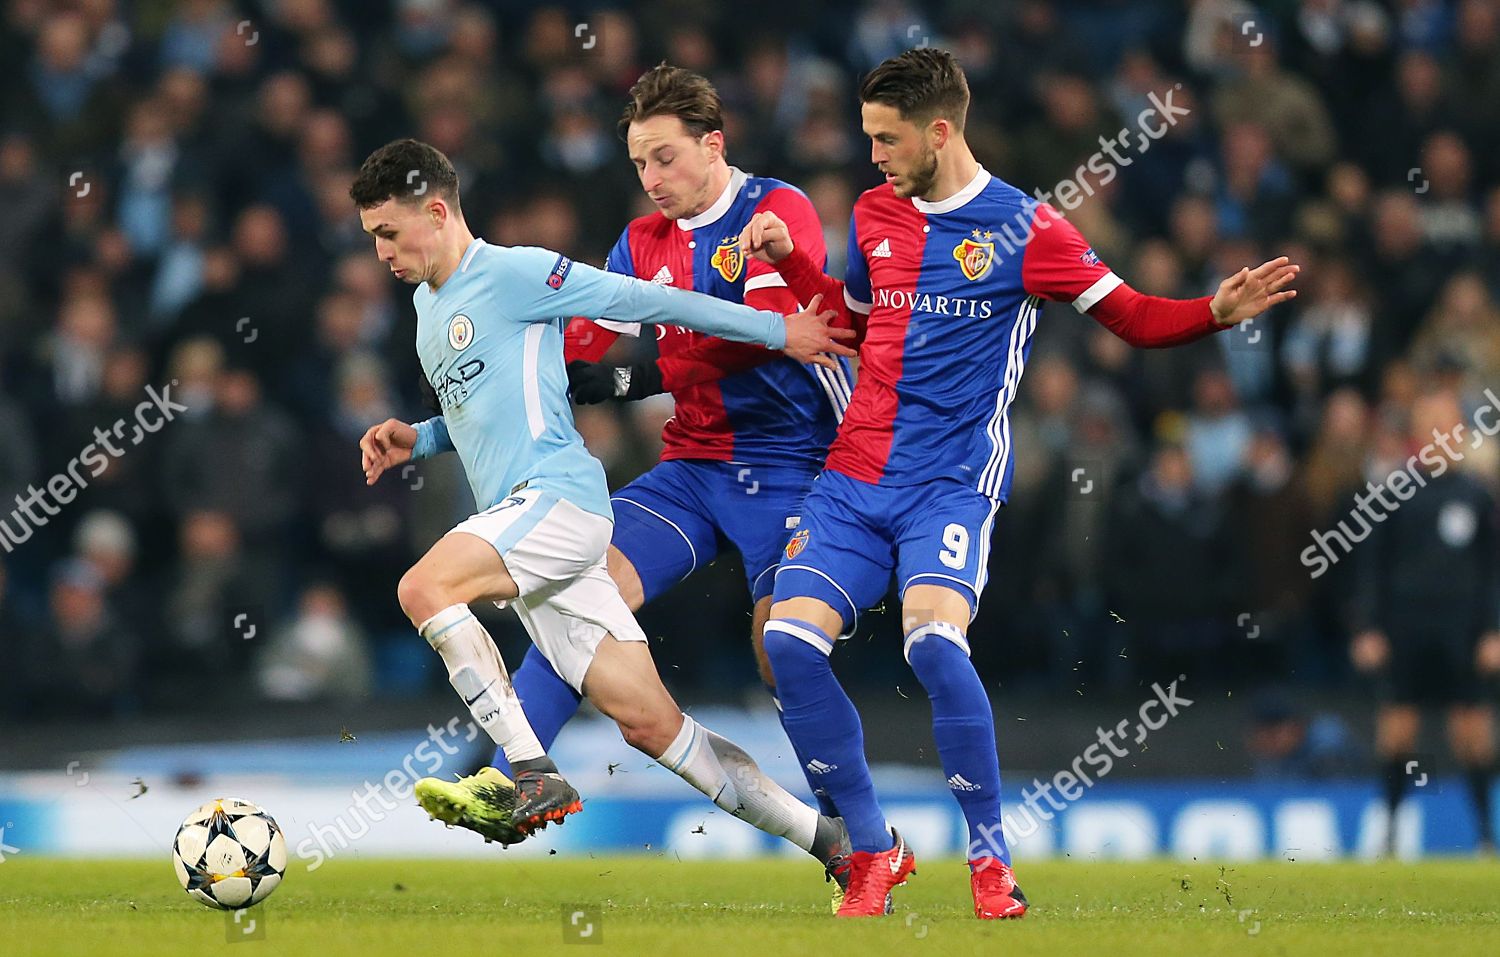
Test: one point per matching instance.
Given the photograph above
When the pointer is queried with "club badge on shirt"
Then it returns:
(728, 259)
(975, 257)
(460, 333)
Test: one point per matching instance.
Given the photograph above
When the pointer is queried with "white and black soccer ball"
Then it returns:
(229, 854)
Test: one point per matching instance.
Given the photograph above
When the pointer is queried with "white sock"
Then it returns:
(723, 771)
(479, 676)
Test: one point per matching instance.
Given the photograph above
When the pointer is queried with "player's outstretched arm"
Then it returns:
(1059, 264)
(1150, 322)
(714, 359)
(707, 361)
(805, 336)
(542, 285)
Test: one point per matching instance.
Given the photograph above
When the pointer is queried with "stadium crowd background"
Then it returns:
(173, 183)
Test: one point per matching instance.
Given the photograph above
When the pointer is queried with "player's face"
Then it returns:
(676, 168)
(406, 238)
(901, 149)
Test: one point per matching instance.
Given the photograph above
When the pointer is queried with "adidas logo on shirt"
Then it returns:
(882, 251)
(818, 767)
(663, 277)
(960, 783)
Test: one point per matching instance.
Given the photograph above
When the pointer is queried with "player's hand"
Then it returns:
(386, 446)
(591, 382)
(809, 338)
(1250, 292)
(1487, 654)
(766, 238)
(594, 382)
(1370, 650)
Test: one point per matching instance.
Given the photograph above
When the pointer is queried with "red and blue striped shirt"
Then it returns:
(732, 404)
(945, 296)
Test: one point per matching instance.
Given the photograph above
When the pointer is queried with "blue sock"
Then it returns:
(825, 803)
(547, 700)
(822, 722)
(964, 728)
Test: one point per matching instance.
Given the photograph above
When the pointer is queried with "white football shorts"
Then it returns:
(555, 552)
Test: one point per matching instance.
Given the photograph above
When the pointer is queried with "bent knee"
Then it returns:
(420, 596)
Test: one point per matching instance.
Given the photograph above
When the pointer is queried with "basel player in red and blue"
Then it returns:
(947, 268)
(751, 429)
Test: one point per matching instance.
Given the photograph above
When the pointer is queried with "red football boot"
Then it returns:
(996, 895)
(871, 877)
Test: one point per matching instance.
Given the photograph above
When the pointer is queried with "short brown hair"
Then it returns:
(666, 90)
(922, 85)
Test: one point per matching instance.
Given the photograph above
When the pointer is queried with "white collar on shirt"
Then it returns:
(714, 213)
(974, 187)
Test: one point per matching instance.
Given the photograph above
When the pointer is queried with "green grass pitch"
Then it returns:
(654, 905)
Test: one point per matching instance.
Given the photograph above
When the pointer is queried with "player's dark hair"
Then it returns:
(407, 170)
(666, 90)
(922, 85)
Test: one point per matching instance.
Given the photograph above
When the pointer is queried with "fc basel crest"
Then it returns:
(975, 257)
(460, 333)
(728, 259)
(797, 543)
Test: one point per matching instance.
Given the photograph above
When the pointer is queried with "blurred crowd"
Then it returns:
(173, 180)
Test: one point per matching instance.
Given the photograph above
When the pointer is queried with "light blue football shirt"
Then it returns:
(491, 343)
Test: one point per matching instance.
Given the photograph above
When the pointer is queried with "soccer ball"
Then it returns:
(229, 854)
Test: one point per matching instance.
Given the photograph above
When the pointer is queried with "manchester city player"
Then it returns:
(742, 447)
(489, 337)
